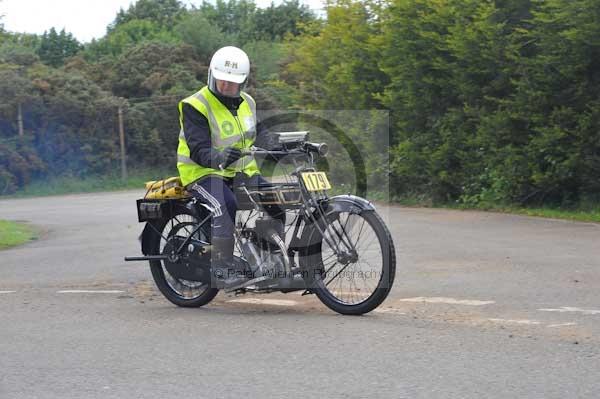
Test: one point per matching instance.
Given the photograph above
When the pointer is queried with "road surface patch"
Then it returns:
(90, 292)
(389, 310)
(513, 321)
(561, 325)
(259, 301)
(448, 301)
(7, 292)
(564, 309)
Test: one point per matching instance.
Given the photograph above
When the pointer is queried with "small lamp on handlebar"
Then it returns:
(320, 148)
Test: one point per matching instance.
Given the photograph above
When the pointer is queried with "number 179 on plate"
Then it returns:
(316, 181)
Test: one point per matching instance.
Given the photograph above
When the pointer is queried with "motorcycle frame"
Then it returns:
(313, 210)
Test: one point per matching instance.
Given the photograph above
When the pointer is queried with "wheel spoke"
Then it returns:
(337, 274)
(331, 268)
(364, 246)
(359, 232)
(343, 233)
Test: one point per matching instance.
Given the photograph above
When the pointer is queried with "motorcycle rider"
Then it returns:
(217, 123)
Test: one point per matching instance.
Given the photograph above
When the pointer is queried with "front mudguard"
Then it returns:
(347, 203)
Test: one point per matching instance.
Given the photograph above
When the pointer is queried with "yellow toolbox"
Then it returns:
(170, 188)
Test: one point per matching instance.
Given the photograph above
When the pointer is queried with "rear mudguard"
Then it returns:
(153, 227)
(148, 237)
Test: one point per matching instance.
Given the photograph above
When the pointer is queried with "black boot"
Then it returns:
(227, 271)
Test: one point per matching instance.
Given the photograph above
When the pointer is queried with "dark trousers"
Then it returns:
(217, 193)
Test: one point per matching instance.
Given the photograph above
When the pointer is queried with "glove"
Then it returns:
(226, 157)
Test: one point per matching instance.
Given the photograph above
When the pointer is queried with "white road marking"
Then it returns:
(450, 301)
(509, 321)
(561, 325)
(89, 292)
(259, 301)
(7, 292)
(572, 309)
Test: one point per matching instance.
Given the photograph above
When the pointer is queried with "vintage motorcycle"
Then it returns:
(336, 247)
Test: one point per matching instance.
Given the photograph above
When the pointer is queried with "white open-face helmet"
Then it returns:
(230, 64)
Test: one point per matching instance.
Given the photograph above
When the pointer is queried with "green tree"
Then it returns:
(448, 64)
(66, 125)
(154, 68)
(277, 21)
(15, 85)
(16, 54)
(166, 13)
(233, 17)
(557, 97)
(127, 35)
(336, 68)
(56, 47)
(204, 35)
(26, 40)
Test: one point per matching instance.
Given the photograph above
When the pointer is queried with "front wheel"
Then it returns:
(353, 263)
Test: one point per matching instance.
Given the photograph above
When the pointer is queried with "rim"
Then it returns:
(182, 225)
(351, 279)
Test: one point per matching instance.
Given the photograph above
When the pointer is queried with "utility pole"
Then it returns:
(20, 119)
(122, 142)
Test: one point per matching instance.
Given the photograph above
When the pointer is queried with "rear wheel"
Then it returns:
(353, 264)
(181, 292)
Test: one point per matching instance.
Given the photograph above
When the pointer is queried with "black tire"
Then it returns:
(158, 270)
(383, 287)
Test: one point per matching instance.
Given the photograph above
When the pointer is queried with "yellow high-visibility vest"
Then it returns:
(226, 130)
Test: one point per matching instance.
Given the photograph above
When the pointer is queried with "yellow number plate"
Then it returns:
(316, 181)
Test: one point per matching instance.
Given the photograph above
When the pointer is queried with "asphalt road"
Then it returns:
(484, 305)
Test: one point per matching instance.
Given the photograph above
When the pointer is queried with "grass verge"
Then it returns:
(12, 234)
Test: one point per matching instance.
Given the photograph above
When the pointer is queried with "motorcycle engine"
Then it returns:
(263, 261)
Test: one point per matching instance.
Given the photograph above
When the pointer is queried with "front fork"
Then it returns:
(343, 247)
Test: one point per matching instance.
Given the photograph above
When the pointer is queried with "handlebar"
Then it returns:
(320, 148)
